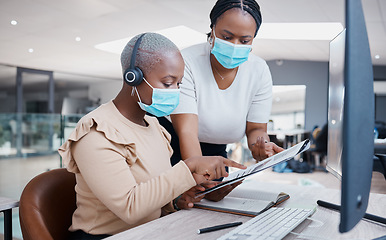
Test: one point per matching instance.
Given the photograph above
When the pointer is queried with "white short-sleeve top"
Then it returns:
(223, 114)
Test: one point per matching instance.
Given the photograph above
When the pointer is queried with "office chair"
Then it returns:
(47, 204)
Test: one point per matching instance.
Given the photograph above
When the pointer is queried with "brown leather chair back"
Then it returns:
(47, 204)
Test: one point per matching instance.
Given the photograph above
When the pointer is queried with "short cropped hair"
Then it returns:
(152, 48)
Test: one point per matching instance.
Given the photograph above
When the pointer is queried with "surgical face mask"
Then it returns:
(230, 55)
(164, 101)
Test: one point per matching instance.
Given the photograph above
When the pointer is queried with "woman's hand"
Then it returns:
(188, 199)
(222, 192)
(262, 149)
(209, 168)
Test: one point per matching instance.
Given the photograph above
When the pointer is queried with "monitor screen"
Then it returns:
(351, 116)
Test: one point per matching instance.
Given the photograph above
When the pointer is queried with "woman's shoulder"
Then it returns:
(106, 112)
(96, 127)
(99, 111)
(256, 60)
(200, 49)
(255, 66)
(102, 119)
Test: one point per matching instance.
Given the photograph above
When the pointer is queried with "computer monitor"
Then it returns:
(351, 116)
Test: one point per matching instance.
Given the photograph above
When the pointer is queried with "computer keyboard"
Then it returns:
(275, 223)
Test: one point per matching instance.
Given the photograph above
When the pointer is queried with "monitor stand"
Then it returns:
(337, 207)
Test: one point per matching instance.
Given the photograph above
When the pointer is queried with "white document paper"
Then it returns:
(266, 163)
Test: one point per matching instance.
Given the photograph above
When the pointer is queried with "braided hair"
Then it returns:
(249, 6)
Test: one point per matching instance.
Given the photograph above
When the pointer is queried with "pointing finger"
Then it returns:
(231, 163)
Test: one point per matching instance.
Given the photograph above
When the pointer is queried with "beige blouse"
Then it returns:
(123, 171)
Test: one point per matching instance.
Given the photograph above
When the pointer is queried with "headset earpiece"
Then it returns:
(133, 76)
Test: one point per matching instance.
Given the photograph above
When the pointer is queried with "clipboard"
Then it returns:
(260, 166)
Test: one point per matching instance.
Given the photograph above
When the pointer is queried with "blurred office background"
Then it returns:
(60, 59)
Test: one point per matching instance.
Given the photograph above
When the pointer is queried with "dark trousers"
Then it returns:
(207, 149)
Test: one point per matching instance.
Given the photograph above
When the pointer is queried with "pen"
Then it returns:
(218, 227)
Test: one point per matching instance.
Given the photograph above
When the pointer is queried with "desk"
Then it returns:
(185, 223)
(6, 206)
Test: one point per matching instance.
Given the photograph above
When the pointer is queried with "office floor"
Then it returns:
(15, 174)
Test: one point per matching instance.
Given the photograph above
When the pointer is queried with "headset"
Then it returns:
(133, 76)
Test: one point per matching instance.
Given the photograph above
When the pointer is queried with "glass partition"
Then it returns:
(32, 134)
(33, 125)
(288, 104)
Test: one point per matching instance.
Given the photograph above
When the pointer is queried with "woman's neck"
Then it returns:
(127, 105)
(223, 76)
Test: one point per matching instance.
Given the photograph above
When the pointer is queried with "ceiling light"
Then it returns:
(14, 22)
(300, 31)
(78, 39)
(181, 35)
(30, 50)
(377, 57)
(279, 62)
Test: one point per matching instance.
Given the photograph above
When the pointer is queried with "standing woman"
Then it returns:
(226, 92)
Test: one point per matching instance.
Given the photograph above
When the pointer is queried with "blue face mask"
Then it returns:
(164, 101)
(228, 54)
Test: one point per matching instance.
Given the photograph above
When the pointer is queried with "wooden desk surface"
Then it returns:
(7, 203)
(185, 223)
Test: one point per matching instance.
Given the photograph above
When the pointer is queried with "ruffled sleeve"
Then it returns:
(84, 127)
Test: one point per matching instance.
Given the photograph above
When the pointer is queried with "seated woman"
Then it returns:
(121, 157)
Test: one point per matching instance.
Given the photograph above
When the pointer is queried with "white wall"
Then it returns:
(104, 91)
(312, 74)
